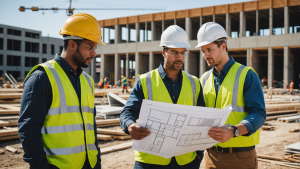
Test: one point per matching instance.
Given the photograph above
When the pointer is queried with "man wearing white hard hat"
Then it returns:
(230, 83)
(169, 84)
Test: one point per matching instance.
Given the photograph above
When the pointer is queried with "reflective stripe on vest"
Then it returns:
(230, 94)
(73, 123)
(235, 108)
(149, 86)
(155, 89)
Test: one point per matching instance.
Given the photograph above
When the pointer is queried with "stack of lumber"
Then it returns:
(287, 161)
(8, 133)
(116, 148)
(108, 122)
(10, 96)
(278, 109)
(105, 134)
(9, 109)
(289, 119)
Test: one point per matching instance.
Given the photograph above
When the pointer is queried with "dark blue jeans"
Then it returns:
(195, 164)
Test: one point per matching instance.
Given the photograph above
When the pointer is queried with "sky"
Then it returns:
(50, 23)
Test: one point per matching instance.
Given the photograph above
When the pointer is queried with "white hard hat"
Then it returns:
(174, 37)
(210, 32)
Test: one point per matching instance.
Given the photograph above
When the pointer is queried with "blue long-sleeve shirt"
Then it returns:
(253, 97)
(131, 111)
(35, 103)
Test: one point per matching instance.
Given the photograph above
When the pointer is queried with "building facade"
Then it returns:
(21, 49)
(263, 34)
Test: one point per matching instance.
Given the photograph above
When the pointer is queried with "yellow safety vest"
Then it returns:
(230, 92)
(155, 89)
(68, 131)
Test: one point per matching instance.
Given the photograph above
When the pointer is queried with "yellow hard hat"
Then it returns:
(139, 75)
(122, 76)
(82, 25)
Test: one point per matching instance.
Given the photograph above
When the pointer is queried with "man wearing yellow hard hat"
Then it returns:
(57, 117)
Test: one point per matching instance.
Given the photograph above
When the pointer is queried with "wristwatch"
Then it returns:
(236, 131)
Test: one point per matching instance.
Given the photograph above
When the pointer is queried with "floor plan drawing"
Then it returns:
(160, 128)
(177, 129)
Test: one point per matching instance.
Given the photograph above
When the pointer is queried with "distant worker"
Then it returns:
(169, 84)
(292, 88)
(133, 81)
(57, 117)
(230, 83)
(106, 82)
(101, 82)
(124, 84)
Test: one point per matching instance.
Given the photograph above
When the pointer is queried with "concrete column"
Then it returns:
(188, 27)
(201, 21)
(151, 61)
(137, 32)
(214, 18)
(257, 23)
(202, 64)
(249, 57)
(127, 65)
(153, 31)
(286, 20)
(255, 60)
(146, 32)
(117, 67)
(103, 35)
(102, 64)
(127, 33)
(242, 24)
(186, 64)
(287, 66)
(228, 24)
(137, 65)
(162, 25)
(117, 34)
(174, 21)
(270, 66)
(108, 35)
(93, 69)
(271, 21)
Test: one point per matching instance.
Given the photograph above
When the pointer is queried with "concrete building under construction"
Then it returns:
(263, 34)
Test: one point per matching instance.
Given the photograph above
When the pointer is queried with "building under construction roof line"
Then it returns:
(264, 34)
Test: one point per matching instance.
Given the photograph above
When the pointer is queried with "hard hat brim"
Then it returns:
(177, 45)
(100, 42)
(203, 43)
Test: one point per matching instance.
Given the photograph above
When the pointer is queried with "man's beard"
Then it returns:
(172, 65)
(216, 62)
(79, 59)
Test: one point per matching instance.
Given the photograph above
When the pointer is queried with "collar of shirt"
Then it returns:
(65, 65)
(225, 69)
(162, 71)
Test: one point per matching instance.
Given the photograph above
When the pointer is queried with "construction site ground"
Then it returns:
(271, 144)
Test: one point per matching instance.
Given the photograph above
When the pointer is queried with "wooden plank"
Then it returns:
(195, 12)
(9, 112)
(263, 4)
(8, 132)
(270, 157)
(3, 123)
(109, 125)
(170, 15)
(250, 6)
(276, 117)
(9, 107)
(122, 21)
(281, 112)
(234, 8)
(107, 121)
(11, 90)
(207, 11)
(221, 9)
(145, 18)
(103, 137)
(158, 17)
(289, 119)
(11, 149)
(9, 137)
(112, 132)
(293, 2)
(110, 22)
(121, 137)
(116, 148)
(293, 160)
(182, 14)
(294, 130)
(11, 95)
(278, 3)
(9, 117)
(267, 128)
(282, 163)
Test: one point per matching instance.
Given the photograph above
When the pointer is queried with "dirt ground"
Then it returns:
(271, 144)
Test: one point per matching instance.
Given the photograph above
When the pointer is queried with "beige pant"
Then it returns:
(239, 160)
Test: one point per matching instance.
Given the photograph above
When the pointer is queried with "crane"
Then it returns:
(70, 10)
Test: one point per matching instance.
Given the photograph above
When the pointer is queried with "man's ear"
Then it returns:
(163, 52)
(224, 45)
(72, 45)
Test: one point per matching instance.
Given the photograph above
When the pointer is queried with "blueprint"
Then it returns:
(177, 129)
